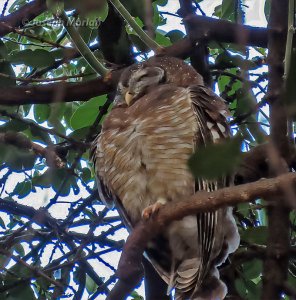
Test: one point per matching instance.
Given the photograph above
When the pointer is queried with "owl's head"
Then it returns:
(136, 82)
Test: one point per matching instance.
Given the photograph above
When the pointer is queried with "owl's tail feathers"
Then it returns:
(212, 288)
(185, 276)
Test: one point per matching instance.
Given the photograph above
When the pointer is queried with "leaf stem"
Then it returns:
(134, 25)
(82, 47)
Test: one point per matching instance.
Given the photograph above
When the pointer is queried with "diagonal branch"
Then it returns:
(22, 16)
(134, 25)
(20, 141)
(129, 268)
(82, 47)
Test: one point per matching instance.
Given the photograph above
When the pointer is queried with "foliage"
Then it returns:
(71, 246)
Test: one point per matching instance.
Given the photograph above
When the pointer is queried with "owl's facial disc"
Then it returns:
(141, 80)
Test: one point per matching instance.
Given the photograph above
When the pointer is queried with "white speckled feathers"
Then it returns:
(146, 157)
(141, 156)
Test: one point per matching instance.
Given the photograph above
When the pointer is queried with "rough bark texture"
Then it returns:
(277, 255)
(22, 16)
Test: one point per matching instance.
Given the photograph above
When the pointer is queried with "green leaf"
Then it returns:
(5, 68)
(228, 8)
(254, 290)
(86, 175)
(80, 133)
(20, 291)
(136, 296)
(41, 112)
(252, 269)
(2, 224)
(267, 9)
(225, 81)
(226, 60)
(43, 284)
(16, 159)
(18, 271)
(161, 2)
(231, 7)
(86, 114)
(90, 285)
(38, 58)
(19, 249)
(161, 39)
(4, 260)
(255, 235)
(240, 287)
(23, 189)
(216, 160)
(99, 14)
(175, 35)
(59, 179)
(13, 125)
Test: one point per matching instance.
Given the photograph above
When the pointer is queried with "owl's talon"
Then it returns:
(151, 210)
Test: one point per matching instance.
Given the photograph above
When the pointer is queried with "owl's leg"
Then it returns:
(154, 208)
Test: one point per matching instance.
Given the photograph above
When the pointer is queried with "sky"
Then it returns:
(254, 16)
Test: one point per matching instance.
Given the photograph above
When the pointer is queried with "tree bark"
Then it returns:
(278, 244)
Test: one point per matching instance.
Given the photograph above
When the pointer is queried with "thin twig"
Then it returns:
(134, 25)
(82, 46)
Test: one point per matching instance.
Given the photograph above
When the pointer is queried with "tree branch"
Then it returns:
(208, 28)
(20, 141)
(134, 25)
(129, 268)
(40, 216)
(22, 16)
(199, 57)
(82, 46)
(225, 31)
(46, 93)
(276, 263)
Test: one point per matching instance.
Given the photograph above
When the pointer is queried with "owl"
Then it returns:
(162, 114)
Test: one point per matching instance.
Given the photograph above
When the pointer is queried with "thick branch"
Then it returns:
(47, 93)
(22, 16)
(200, 27)
(129, 268)
(278, 243)
(226, 32)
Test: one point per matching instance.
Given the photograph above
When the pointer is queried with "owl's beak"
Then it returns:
(128, 98)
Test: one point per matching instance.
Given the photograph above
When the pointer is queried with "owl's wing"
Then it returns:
(106, 196)
(211, 112)
(190, 274)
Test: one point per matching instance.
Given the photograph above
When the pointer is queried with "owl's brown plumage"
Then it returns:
(141, 158)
